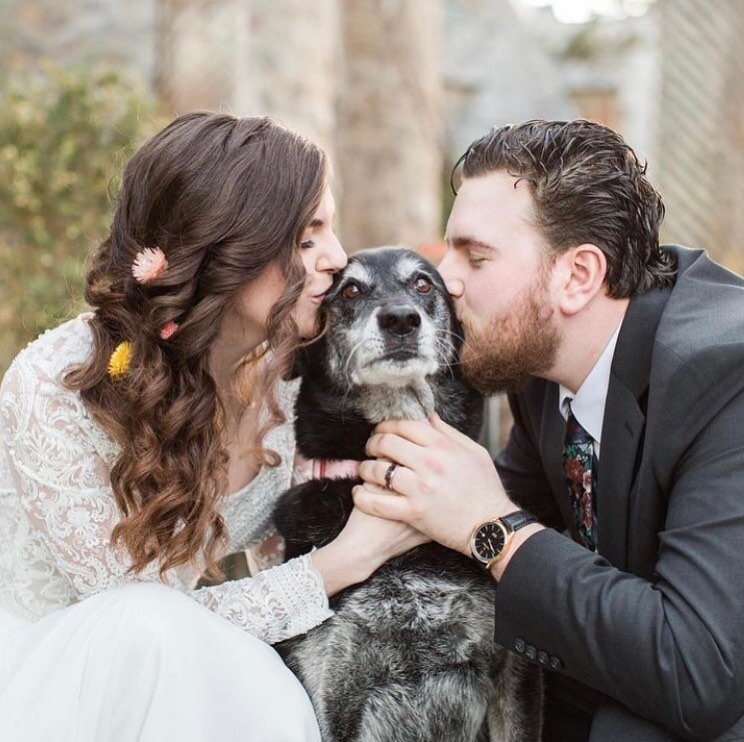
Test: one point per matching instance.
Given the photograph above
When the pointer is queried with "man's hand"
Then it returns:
(445, 484)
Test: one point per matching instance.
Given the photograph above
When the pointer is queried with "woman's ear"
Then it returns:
(583, 273)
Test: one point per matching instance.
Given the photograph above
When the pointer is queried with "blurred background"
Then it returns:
(394, 90)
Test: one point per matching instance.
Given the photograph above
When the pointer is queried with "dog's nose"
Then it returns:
(400, 320)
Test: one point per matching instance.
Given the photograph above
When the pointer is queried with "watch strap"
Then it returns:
(518, 519)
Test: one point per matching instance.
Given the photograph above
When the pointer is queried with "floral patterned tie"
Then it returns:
(580, 466)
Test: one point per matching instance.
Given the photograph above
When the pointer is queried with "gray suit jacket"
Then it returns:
(649, 633)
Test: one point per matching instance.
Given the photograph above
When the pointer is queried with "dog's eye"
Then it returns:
(351, 291)
(422, 285)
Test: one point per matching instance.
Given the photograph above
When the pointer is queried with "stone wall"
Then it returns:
(701, 126)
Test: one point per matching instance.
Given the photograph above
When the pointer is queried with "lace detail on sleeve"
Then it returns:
(61, 482)
(283, 601)
(61, 488)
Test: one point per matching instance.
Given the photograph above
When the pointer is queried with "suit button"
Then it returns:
(530, 652)
(542, 657)
(555, 662)
(519, 645)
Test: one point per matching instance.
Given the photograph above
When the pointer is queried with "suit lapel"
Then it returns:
(624, 421)
(621, 434)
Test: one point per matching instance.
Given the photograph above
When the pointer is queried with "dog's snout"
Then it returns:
(399, 320)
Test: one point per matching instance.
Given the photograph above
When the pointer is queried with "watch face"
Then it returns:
(489, 541)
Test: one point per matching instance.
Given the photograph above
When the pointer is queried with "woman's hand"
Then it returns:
(365, 544)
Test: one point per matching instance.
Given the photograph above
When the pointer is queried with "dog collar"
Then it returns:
(306, 469)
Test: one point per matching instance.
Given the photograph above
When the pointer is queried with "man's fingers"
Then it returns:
(373, 472)
(452, 433)
(372, 501)
(419, 432)
(394, 448)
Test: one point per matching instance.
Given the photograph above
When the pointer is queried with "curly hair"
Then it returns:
(588, 186)
(223, 197)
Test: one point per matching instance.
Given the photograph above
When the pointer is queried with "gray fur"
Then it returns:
(357, 664)
(412, 402)
(358, 355)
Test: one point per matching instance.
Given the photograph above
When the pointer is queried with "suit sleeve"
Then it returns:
(670, 649)
(522, 474)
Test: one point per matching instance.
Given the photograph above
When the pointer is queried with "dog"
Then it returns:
(409, 654)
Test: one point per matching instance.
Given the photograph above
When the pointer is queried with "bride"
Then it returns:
(144, 440)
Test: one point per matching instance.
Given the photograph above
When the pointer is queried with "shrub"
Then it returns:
(64, 138)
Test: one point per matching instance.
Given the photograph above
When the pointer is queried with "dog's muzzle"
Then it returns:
(400, 320)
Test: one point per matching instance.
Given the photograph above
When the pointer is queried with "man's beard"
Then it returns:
(515, 347)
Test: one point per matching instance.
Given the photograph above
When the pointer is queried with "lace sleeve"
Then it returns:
(63, 486)
(278, 603)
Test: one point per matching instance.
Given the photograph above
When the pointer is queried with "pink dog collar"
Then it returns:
(306, 469)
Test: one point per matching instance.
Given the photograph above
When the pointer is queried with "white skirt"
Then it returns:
(145, 663)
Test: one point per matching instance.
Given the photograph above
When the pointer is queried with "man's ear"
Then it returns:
(583, 272)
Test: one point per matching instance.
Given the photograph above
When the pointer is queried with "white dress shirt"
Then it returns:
(588, 404)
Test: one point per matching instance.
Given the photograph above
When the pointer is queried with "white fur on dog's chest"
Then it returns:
(396, 403)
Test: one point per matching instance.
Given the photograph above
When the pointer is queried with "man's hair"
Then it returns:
(587, 187)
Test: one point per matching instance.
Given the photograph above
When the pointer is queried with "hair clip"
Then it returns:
(168, 329)
(120, 359)
(149, 264)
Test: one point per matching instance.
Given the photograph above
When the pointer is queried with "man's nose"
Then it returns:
(399, 320)
(455, 286)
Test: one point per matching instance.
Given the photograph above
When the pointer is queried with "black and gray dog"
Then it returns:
(409, 655)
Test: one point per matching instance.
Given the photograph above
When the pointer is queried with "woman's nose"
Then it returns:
(334, 258)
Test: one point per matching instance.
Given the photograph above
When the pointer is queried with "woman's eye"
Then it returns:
(351, 291)
(422, 285)
(475, 262)
(307, 244)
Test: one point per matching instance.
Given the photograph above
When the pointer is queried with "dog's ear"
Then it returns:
(307, 359)
(299, 367)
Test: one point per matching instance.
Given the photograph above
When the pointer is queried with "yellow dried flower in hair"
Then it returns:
(120, 359)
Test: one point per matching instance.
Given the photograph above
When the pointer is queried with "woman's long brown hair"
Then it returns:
(223, 197)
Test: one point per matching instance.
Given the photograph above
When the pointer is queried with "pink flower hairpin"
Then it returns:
(149, 264)
(168, 329)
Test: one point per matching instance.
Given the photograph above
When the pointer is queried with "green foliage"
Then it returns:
(64, 139)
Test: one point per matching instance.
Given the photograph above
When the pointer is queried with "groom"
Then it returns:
(624, 363)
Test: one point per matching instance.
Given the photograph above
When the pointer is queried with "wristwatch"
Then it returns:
(490, 540)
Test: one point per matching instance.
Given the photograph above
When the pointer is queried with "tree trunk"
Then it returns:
(296, 58)
(203, 55)
(390, 128)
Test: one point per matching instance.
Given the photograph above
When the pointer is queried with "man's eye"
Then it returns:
(307, 244)
(475, 262)
(351, 291)
(422, 285)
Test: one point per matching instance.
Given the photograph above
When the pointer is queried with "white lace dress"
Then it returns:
(89, 653)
